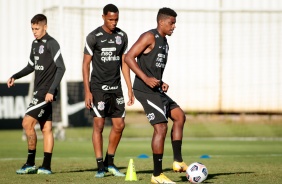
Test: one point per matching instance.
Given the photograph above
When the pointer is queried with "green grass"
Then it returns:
(241, 152)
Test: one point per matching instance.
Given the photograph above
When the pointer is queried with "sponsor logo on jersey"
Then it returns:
(118, 40)
(160, 60)
(151, 116)
(111, 41)
(108, 54)
(99, 34)
(156, 36)
(41, 113)
(103, 40)
(39, 67)
(107, 88)
(33, 50)
(44, 40)
(41, 49)
(120, 100)
(101, 105)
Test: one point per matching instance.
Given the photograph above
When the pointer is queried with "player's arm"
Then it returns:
(54, 48)
(87, 58)
(145, 44)
(25, 71)
(126, 74)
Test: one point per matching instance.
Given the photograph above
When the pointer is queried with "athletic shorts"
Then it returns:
(157, 106)
(108, 105)
(39, 108)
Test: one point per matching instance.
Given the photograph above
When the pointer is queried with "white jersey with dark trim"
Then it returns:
(152, 63)
(106, 51)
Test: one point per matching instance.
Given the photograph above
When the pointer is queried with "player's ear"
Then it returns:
(45, 27)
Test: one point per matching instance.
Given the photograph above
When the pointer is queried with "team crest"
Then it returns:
(118, 40)
(101, 105)
(41, 49)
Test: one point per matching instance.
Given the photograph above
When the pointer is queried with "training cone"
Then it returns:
(131, 173)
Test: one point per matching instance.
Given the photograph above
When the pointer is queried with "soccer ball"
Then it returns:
(196, 172)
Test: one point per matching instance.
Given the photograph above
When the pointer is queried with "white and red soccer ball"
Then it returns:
(196, 172)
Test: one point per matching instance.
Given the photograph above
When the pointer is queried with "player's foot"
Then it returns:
(27, 169)
(114, 170)
(42, 170)
(161, 179)
(179, 166)
(100, 173)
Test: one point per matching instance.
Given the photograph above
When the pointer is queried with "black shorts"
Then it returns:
(40, 109)
(108, 105)
(157, 106)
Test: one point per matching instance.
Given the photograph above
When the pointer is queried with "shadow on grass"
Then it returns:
(214, 176)
(84, 170)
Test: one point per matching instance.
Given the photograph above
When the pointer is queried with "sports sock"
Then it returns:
(31, 157)
(176, 146)
(47, 160)
(109, 160)
(100, 163)
(158, 162)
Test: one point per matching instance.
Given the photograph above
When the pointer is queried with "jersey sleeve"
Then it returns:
(26, 70)
(89, 45)
(54, 48)
(125, 48)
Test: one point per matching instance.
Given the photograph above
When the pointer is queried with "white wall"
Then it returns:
(224, 54)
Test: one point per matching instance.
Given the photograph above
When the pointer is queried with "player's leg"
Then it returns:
(153, 106)
(97, 141)
(114, 139)
(28, 124)
(117, 112)
(48, 145)
(178, 117)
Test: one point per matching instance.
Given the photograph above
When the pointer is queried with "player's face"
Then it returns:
(38, 30)
(110, 20)
(168, 25)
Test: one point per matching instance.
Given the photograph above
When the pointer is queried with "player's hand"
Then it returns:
(152, 82)
(131, 98)
(165, 87)
(88, 100)
(49, 97)
(10, 82)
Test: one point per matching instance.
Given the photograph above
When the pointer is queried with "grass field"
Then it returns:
(241, 151)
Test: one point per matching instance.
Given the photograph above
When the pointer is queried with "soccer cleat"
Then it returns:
(179, 166)
(114, 170)
(42, 170)
(27, 169)
(161, 179)
(100, 173)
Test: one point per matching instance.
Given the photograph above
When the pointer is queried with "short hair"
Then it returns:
(110, 8)
(39, 18)
(165, 12)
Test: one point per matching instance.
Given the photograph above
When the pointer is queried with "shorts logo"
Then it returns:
(41, 49)
(101, 105)
(34, 101)
(151, 116)
(41, 113)
(120, 101)
(118, 40)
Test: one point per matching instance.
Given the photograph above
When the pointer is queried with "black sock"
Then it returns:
(109, 159)
(47, 160)
(158, 163)
(100, 163)
(176, 146)
(31, 157)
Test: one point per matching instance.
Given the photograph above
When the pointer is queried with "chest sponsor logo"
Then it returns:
(41, 49)
(118, 40)
(109, 54)
(103, 40)
(107, 88)
(160, 61)
(120, 101)
(99, 34)
(101, 105)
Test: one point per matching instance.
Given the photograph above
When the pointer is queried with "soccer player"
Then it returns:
(47, 63)
(151, 51)
(105, 47)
